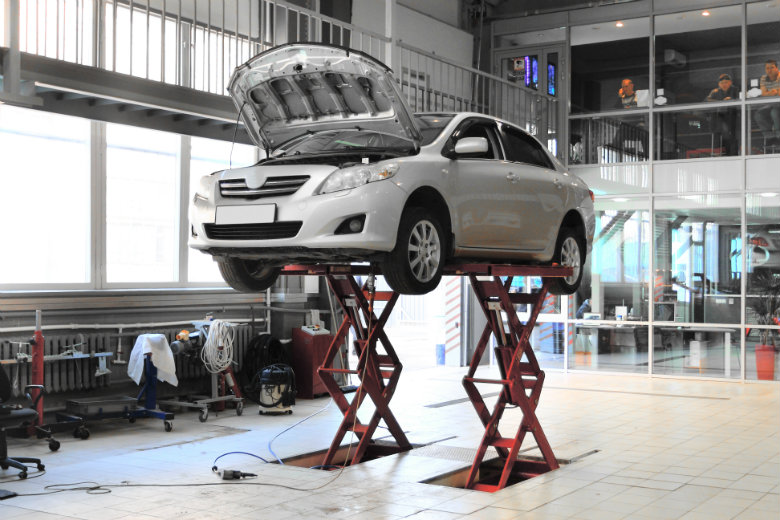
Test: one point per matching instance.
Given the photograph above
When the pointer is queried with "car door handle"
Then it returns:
(512, 177)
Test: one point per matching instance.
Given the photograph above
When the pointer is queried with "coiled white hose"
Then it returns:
(217, 352)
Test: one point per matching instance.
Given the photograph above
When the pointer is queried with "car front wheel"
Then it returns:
(248, 275)
(416, 263)
(569, 252)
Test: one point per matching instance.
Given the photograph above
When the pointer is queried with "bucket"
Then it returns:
(765, 362)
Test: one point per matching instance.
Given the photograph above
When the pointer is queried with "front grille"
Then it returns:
(253, 231)
(272, 187)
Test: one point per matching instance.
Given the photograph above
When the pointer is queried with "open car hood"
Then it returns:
(301, 88)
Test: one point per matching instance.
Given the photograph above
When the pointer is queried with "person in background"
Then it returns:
(627, 94)
(726, 90)
(768, 117)
(724, 121)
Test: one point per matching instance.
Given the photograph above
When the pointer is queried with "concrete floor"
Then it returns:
(666, 449)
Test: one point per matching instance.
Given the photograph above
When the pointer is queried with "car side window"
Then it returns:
(478, 128)
(520, 147)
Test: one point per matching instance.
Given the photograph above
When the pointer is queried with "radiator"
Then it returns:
(74, 375)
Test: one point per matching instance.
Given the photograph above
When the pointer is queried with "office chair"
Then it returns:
(14, 416)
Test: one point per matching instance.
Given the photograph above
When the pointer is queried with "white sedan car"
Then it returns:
(352, 176)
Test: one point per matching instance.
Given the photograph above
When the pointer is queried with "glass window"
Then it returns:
(763, 253)
(477, 128)
(618, 265)
(694, 51)
(698, 257)
(604, 56)
(208, 156)
(613, 139)
(45, 199)
(548, 340)
(711, 132)
(712, 352)
(763, 127)
(763, 28)
(519, 147)
(142, 205)
(609, 347)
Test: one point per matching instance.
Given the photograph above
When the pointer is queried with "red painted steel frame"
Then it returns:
(519, 371)
(378, 373)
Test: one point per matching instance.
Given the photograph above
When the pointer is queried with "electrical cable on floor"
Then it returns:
(106, 488)
(217, 352)
(293, 426)
(214, 465)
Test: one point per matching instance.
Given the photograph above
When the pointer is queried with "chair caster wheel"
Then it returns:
(23, 475)
(203, 416)
(168, 426)
(41, 467)
(54, 445)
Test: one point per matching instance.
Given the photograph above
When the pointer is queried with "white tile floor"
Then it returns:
(667, 449)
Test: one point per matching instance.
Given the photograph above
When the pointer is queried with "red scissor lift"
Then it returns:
(521, 377)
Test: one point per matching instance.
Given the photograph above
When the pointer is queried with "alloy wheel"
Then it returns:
(570, 257)
(424, 251)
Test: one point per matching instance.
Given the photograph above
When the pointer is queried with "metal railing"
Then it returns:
(199, 43)
(433, 84)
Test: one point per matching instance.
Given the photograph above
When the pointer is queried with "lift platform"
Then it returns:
(377, 372)
(521, 377)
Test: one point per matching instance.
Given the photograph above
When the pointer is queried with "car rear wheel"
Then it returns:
(569, 252)
(416, 263)
(248, 275)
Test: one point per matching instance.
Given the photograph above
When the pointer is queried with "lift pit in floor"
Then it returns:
(343, 455)
(489, 472)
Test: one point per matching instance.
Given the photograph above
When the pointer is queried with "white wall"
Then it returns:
(418, 29)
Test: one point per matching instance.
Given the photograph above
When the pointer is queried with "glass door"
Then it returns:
(540, 69)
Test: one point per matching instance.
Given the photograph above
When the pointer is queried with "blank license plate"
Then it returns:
(259, 214)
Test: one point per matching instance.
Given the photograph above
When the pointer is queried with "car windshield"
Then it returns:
(431, 125)
(346, 140)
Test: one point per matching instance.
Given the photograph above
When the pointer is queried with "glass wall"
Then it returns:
(95, 225)
(45, 176)
(610, 68)
(142, 205)
(208, 156)
(694, 51)
(763, 54)
(685, 216)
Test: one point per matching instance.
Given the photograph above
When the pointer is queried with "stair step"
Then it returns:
(337, 370)
(502, 442)
(488, 381)
(485, 487)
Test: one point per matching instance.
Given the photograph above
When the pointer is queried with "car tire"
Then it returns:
(569, 252)
(416, 263)
(248, 276)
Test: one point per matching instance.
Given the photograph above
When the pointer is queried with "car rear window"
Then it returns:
(431, 125)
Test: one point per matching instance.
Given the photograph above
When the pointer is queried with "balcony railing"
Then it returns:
(199, 43)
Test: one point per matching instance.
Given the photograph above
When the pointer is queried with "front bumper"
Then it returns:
(381, 202)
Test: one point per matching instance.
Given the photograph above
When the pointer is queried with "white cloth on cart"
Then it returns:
(162, 357)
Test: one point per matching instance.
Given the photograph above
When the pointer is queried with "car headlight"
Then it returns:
(355, 176)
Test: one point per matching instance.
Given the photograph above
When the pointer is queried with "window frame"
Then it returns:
(498, 145)
(506, 128)
(97, 255)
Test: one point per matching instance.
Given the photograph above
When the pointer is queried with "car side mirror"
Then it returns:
(471, 145)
